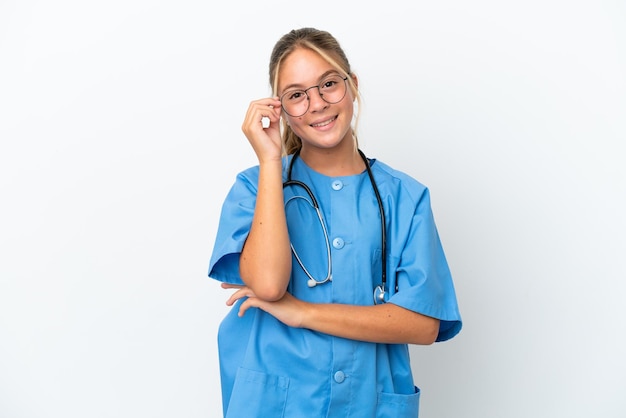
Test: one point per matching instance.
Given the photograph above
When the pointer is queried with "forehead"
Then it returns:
(302, 67)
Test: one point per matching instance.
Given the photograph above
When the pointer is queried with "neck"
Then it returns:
(333, 162)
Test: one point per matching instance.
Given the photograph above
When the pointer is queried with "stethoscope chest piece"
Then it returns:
(379, 295)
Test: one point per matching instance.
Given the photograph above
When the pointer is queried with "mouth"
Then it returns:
(324, 123)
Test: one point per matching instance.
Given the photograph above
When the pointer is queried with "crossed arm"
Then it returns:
(385, 323)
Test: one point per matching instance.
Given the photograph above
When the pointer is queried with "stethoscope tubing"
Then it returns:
(329, 275)
(383, 226)
(379, 291)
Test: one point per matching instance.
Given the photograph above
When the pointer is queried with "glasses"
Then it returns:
(332, 90)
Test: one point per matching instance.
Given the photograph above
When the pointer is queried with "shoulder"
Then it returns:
(249, 174)
(397, 183)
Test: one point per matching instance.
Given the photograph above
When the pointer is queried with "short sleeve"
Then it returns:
(423, 276)
(233, 228)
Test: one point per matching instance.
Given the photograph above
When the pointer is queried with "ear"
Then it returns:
(355, 80)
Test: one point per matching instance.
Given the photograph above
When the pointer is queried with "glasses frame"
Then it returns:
(319, 91)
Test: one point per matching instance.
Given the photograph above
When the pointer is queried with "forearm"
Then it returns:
(386, 323)
(265, 262)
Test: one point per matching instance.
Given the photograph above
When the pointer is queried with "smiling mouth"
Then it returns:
(326, 122)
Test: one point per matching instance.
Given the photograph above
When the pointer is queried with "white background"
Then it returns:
(120, 136)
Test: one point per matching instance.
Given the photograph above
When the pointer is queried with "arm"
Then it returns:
(265, 261)
(386, 323)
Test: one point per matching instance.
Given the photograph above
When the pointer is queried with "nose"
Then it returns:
(316, 102)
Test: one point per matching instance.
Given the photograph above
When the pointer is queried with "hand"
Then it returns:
(266, 142)
(288, 310)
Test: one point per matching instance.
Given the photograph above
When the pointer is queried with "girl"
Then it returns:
(334, 258)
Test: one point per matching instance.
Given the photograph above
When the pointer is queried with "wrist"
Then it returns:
(271, 164)
(308, 312)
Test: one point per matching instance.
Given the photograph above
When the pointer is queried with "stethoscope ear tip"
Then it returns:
(311, 283)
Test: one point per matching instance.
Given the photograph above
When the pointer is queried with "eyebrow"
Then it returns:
(299, 86)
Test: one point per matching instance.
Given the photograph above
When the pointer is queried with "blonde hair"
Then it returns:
(324, 44)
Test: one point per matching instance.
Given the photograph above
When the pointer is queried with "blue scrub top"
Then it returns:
(271, 370)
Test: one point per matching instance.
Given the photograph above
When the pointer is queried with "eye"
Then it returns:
(294, 95)
(330, 83)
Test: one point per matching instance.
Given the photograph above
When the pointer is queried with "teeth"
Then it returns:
(317, 125)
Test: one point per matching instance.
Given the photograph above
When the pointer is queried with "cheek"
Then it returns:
(295, 124)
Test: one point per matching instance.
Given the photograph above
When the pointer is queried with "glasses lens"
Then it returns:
(333, 89)
(296, 102)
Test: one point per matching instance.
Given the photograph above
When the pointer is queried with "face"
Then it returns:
(324, 125)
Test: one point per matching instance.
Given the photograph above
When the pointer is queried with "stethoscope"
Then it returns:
(380, 294)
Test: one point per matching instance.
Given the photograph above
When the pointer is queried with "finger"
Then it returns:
(231, 286)
(265, 108)
(270, 114)
(247, 304)
(233, 298)
(240, 294)
(243, 308)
